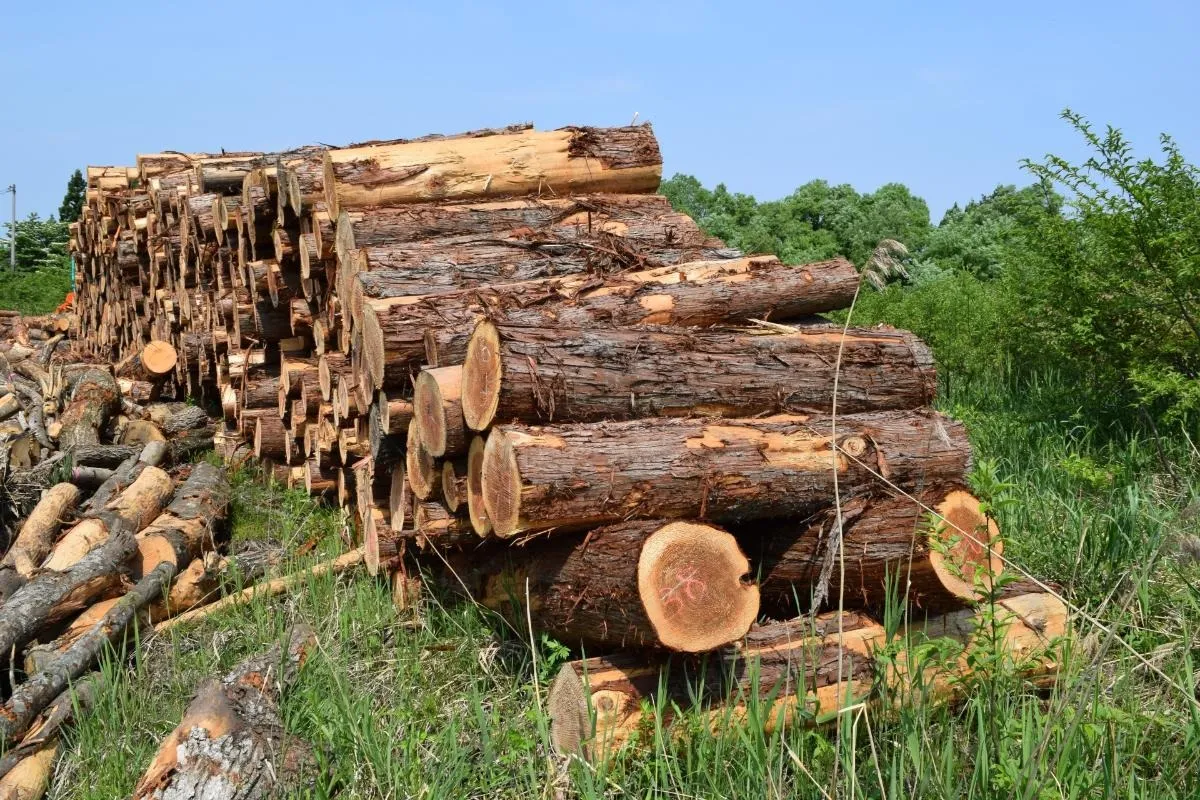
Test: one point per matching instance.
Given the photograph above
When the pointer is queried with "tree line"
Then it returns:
(43, 266)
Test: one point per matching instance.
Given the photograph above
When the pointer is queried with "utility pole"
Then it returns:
(12, 233)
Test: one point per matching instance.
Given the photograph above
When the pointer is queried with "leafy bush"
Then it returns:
(37, 291)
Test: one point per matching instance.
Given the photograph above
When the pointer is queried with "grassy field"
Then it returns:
(442, 702)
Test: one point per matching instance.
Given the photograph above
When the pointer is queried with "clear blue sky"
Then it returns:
(945, 97)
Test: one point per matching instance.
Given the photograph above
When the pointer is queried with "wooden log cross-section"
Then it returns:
(555, 374)
(674, 585)
(231, 742)
(937, 563)
(577, 476)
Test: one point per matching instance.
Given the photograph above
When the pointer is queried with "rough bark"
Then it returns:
(932, 563)
(364, 227)
(543, 375)
(527, 162)
(31, 697)
(94, 399)
(36, 538)
(52, 596)
(675, 585)
(191, 523)
(695, 294)
(728, 470)
(53, 720)
(231, 742)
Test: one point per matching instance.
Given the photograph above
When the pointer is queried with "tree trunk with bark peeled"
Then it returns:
(498, 164)
(555, 374)
(578, 476)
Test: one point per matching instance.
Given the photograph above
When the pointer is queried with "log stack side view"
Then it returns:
(510, 361)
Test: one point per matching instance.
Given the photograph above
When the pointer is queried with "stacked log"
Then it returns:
(506, 356)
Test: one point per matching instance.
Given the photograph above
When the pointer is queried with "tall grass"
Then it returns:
(439, 702)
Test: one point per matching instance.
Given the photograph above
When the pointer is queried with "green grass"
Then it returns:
(443, 703)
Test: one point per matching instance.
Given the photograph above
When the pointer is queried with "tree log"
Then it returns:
(153, 363)
(677, 585)
(30, 778)
(30, 698)
(788, 672)
(231, 742)
(191, 523)
(52, 596)
(438, 408)
(53, 720)
(579, 476)
(935, 566)
(36, 537)
(554, 163)
(94, 399)
(476, 508)
(696, 294)
(540, 375)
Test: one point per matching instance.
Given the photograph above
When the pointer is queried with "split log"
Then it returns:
(94, 399)
(30, 778)
(695, 294)
(438, 408)
(556, 163)
(36, 538)
(937, 564)
(231, 742)
(579, 476)
(574, 375)
(676, 585)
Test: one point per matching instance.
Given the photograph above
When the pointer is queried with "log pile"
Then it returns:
(506, 356)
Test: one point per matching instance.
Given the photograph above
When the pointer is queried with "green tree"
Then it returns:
(41, 243)
(1111, 291)
(72, 204)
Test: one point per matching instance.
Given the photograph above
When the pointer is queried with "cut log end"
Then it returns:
(476, 508)
(398, 497)
(422, 470)
(567, 707)
(966, 548)
(372, 345)
(433, 403)
(500, 484)
(481, 377)
(695, 585)
(159, 358)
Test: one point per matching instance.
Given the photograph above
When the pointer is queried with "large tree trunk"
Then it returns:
(791, 669)
(365, 227)
(554, 374)
(935, 564)
(231, 743)
(676, 585)
(527, 162)
(695, 294)
(577, 476)
(94, 399)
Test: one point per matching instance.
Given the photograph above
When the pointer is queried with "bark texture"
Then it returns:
(577, 476)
